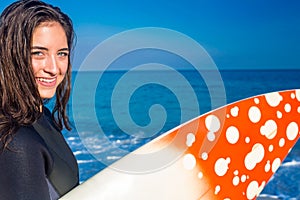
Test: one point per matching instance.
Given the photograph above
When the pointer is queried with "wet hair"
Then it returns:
(19, 96)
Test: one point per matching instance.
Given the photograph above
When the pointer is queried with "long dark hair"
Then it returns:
(19, 96)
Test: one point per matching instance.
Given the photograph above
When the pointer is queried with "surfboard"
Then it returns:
(229, 153)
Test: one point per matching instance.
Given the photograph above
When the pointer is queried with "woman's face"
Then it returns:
(49, 56)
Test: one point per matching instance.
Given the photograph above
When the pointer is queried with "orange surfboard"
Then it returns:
(229, 154)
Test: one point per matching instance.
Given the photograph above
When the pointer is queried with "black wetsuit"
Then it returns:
(38, 165)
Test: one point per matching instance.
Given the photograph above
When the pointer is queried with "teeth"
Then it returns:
(46, 80)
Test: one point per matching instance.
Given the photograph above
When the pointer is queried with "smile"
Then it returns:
(47, 82)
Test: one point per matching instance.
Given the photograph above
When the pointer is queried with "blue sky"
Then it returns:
(248, 34)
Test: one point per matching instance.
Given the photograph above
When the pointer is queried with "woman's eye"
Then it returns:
(63, 54)
(36, 53)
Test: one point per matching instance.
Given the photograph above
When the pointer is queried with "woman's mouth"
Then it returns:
(46, 82)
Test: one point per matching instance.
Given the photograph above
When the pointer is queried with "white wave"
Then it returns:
(291, 163)
(72, 138)
(113, 157)
(85, 161)
(267, 197)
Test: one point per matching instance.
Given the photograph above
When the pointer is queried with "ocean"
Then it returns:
(115, 112)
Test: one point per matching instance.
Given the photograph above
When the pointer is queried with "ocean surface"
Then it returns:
(115, 112)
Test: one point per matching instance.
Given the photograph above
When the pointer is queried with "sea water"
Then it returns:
(133, 108)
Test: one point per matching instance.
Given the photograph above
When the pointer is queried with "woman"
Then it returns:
(35, 45)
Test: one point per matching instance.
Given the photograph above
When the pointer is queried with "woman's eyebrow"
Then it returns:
(46, 49)
(64, 49)
(40, 48)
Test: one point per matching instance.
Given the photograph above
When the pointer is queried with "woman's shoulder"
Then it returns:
(26, 138)
(26, 146)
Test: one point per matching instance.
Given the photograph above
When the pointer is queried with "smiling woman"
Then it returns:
(35, 46)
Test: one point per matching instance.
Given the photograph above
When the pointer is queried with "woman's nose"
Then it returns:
(51, 65)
